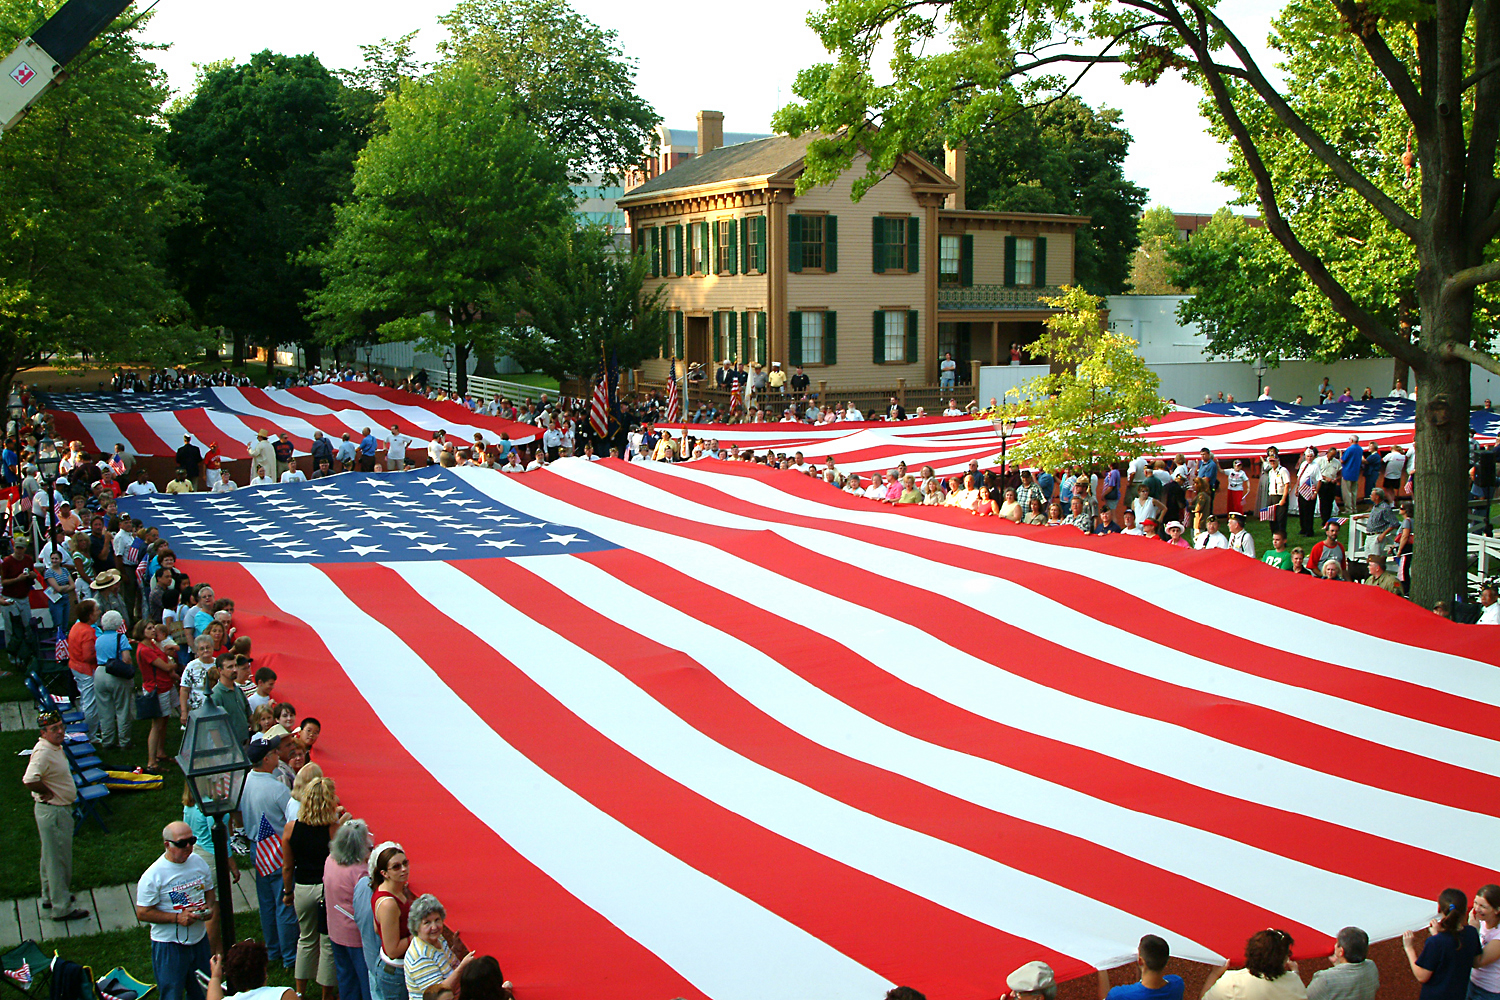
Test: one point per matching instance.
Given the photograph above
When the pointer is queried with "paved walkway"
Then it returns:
(110, 909)
(17, 715)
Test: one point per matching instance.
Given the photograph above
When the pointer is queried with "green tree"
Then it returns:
(583, 299)
(565, 74)
(84, 201)
(386, 63)
(1150, 266)
(1244, 290)
(955, 66)
(1069, 159)
(1093, 408)
(271, 148)
(454, 199)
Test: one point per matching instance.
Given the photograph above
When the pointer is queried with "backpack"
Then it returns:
(71, 981)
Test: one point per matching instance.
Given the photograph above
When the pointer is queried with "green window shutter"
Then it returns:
(877, 245)
(734, 340)
(747, 229)
(794, 243)
(656, 256)
(734, 246)
(1039, 269)
(761, 337)
(677, 257)
(713, 248)
(1010, 261)
(912, 245)
(747, 337)
(681, 347)
(831, 243)
(830, 338)
(911, 336)
(760, 244)
(707, 263)
(966, 260)
(878, 355)
(794, 339)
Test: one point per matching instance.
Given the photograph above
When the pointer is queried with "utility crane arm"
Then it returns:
(37, 64)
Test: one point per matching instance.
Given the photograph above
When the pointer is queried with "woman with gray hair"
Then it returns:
(114, 696)
(429, 960)
(345, 868)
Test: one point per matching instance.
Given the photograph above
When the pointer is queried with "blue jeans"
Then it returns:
(392, 982)
(175, 965)
(946, 380)
(1475, 993)
(87, 703)
(354, 978)
(278, 921)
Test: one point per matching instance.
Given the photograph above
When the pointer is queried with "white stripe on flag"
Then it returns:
(1178, 593)
(954, 877)
(1025, 609)
(415, 415)
(725, 944)
(1314, 897)
(956, 676)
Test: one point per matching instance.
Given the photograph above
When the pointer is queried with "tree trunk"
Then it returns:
(239, 349)
(1440, 557)
(270, 363)
(461, 367)
(484, 364)
(312, 354)
(211, 353)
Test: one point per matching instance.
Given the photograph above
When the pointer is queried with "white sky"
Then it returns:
(693, 56)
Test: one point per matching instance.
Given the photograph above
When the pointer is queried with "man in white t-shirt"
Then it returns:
(293, 474)
(852, 413)
(395, 455)
(953, 410)
(225, 484)
(435, 447)
(948, 371)
(260, 478)
(176, 897)
(1400, 391)
(141, 486)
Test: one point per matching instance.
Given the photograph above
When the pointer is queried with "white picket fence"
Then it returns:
(487, 388)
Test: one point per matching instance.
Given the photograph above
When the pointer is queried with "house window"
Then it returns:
(812, 243)
(949, 254)
(726, 247)
(895, 335)
(812, 338)
(1025, 261)
(895, 244)
(755, 242)
(669, 264)
(696, 250)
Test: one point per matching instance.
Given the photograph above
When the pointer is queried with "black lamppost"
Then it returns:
(46, 468)
(214, 762)
(1261, 368)
(1005, 426)
(448, 364)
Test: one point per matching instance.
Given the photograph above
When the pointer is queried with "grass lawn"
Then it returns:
(535, 378)
(99, 858)
(131, 950)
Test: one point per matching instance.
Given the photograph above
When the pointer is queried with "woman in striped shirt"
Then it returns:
(429, 960)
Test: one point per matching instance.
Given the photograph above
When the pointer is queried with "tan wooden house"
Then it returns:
(859, 293)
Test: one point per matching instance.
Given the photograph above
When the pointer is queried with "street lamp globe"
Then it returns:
(213, 760)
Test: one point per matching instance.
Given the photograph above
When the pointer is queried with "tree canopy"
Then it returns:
(456, 197)
(269, 144)
(1091, 410)
(1065, 158)
(1150, 266)
(584, 298)
(566, 75)
(84, 202)
(1435, 68)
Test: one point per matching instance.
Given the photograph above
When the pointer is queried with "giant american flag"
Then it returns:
(948, 444)
(154, 423)
(715, 730)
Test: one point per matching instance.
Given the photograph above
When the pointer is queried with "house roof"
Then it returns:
(760, 158)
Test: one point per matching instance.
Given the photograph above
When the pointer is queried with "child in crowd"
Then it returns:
(265, 681)
(307, 734)
(286, 716)
(261, 719)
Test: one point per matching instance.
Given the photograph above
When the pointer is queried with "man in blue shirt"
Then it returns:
(1151, 958)
(1353, 461)
(367, 446)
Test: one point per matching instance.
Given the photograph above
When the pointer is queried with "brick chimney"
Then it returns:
(953, 166)
(710, 131)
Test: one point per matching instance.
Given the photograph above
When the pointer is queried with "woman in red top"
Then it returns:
(392, 903)
(159, 678)
(81, 660)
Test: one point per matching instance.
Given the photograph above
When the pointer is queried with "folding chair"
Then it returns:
(87, 806)
(27, 970)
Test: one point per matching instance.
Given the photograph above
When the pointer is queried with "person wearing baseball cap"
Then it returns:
(263, 814)
(1032, 981)
(49, 779)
